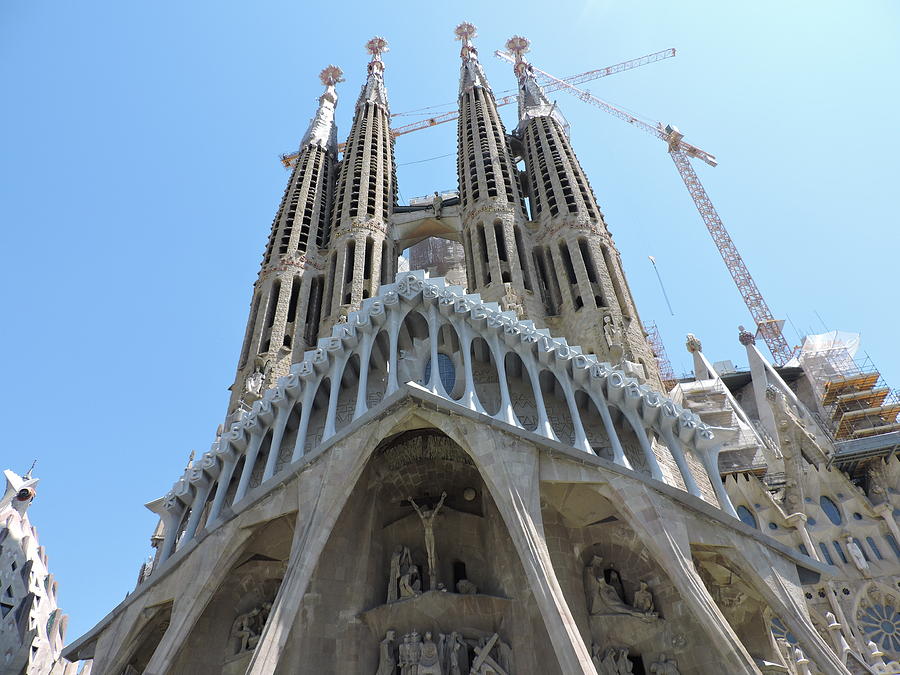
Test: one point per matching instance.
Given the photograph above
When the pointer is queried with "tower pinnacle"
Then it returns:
(471, 74)
(374, 91)
(532, 101)
(322, 130)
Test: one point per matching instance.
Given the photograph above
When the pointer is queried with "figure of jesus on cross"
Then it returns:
(427, 516)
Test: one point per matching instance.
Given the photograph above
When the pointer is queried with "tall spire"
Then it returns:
(373, 90)
(322, 130)
(532, 100)
(471, 73)
(360, 254)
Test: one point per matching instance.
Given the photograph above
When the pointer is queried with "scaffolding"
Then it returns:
(666, 374)
(855, 401)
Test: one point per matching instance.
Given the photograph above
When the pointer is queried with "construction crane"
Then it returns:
(767, 326)
(289, 158)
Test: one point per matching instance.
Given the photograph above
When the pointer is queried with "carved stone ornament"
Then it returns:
(664, 666)
(248, 627)
(612, 661)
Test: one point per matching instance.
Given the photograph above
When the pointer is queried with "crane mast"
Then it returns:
(768, 327)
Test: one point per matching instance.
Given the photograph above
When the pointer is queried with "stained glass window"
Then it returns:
(746, 516)
(881, 624)
(445, 369)
(831, 510)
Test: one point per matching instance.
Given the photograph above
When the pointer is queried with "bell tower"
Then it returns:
(579, 271)
(492, 207)
(287, 297)
(361, 255)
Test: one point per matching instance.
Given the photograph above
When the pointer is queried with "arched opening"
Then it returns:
(318, 415)
(147, 639)
(289, 438)
(379, 365)
(557, 409)
(521, 392)
(346, 404)
(256, 476)
(484, 373)
(593, 426)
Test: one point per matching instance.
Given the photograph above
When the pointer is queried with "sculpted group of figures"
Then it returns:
(248, 627)
(450, 655)
(605, 594)
(615, 661)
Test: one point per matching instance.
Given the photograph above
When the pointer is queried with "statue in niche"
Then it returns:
(466, 587)
(643, 599)
(387, 659)
(410, 584)
(254, 382)
(457, 655)
(856, 553)
(248, 627)
(427, 517)
(614, 579)
(400, 554)
(665, 666)
(605, 598)
(429, 658)
(614, 661)
(437, 203)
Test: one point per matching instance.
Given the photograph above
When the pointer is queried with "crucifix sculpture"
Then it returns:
(427, 516)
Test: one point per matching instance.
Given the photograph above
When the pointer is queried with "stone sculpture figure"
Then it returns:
(609, 598)
(427, 517)
(415, 652)
(410, 584)
(856, 553)
(403, 655)
(466, 587)
(615, 580)
(665, 666)
(592, 572)
(245, 630)
(394, 581)
(429, 658)
(458, 655)
(643, 599)
(387, 660)
(615, 662)
(254, 382)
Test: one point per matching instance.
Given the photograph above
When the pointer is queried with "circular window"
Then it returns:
(773, 526)
(831, 510)
(858, 516)
(811, 521)
(881, 624)
(746, 516)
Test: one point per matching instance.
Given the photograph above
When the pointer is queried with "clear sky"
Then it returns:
(139, 176)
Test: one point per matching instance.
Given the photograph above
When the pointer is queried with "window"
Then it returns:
(825, 553)
(446, 371)
(840, 550)
(893, 543)
(831, 510)
(746, 516)
(874, 548)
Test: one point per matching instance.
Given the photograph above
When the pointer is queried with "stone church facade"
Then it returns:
(417, 476)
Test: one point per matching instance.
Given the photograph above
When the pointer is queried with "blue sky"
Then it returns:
(139, 177)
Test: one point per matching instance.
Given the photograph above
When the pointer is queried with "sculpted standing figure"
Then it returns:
(643, 599)
(387, 662)
(427, 516)
(429, 658)
(394, 580)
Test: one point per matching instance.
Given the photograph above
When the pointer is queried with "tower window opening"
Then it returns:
(385, 262)
(523, 258)
(501, 241)
(273, 303)
(588, 259)
(367, 259)
(329, 293)
(349, 261)
(482, 242)
(314, 311)
(295, 296)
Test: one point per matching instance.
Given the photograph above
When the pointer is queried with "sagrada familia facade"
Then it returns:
(485, 472)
